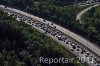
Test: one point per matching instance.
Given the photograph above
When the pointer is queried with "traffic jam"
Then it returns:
(59, 35)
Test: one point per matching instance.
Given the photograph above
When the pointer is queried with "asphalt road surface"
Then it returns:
(78, 16)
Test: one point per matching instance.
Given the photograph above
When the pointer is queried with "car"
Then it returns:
(5, 6)
(95, 58)
(78, 46)
(32, 24)
(44, 20)
(70, 41)
(54, 26)
(98, 61)
(67, 42)
(91, 55)
(90, 59)
(37, 25)
(51, 23)
(59, 37)
(87, 53)
(72, 44)
(77, 49)
(98, 65)
(72, 49)
(48, 30)
(83, 51)
(41, 24)
(53, 33)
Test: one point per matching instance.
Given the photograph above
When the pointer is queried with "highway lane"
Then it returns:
(47, 22)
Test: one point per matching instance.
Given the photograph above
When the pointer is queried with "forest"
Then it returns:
(91, 22)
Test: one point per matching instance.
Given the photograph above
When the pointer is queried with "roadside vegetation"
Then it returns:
(21, 45)
(91, 23)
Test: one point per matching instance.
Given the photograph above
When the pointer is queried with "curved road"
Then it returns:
(78, 16)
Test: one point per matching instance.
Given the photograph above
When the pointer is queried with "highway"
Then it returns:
(74, 37)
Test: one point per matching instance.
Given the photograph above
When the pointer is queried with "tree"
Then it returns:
(1, 60)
